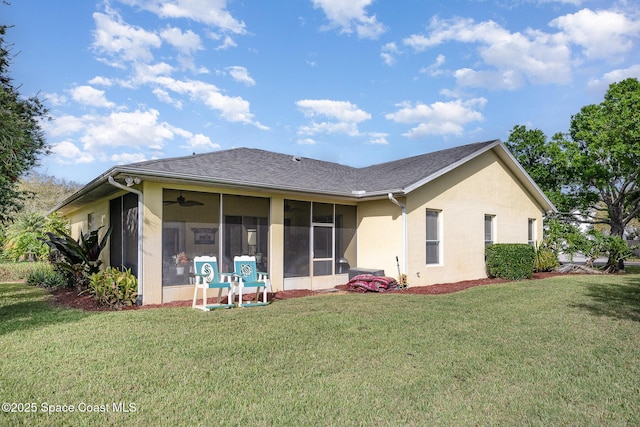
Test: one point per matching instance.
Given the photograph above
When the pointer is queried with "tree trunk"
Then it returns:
(617, 229)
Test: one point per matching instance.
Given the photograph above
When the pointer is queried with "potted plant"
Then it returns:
(181, 260)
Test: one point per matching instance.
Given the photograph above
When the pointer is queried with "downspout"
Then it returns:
(404, 229)
(140, 222)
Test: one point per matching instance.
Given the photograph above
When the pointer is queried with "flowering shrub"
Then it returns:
(181, 259)
(402, 281)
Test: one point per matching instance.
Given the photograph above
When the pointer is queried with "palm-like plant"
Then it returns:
(78, 259)
(24, 236)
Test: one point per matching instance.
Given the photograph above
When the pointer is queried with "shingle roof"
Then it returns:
(259, 168)
(404, 173)
(254, 168)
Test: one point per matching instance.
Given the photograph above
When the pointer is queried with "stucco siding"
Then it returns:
(380, 236)
(152, 291)
(79, 222)
(484, 186)
(466, 189)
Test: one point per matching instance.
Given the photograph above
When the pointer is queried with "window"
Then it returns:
(433, 237)
(91, 221)
(531, 232)
(488, 229)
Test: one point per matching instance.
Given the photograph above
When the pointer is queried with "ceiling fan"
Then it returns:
(183, 202)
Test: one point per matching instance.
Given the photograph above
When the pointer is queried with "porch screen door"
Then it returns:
(322, 254)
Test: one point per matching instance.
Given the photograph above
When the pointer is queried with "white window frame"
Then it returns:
(531, 231)
(492, 237)
(438, 239)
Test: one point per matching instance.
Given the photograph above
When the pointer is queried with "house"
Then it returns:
(309, 221)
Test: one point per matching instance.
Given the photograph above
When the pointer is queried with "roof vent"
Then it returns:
(358, 192)
(296, 159)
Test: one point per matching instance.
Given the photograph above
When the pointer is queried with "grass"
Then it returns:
(560, 351)
(18, 271)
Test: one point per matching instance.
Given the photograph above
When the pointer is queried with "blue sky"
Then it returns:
(357, 82)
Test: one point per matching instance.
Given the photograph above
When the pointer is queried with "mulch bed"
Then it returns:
(69, 297)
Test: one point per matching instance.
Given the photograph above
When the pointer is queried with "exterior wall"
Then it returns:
(276, 243)
(79, 221)
(152, 290)
(380, 236)
(463, 197)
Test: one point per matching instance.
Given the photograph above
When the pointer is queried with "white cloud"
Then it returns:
(233, 109)
(63, 125)
(435, 69)
(306, 141)
(67, 153)
(240, 74)
(88, 95)
(602, 84)
(196, 143)
(122, 41)
(146, 73)
(439, 118)
(186, 43)
(573, 2)
(138, 129)
(351, 16)
(343, 111)
(379, 138)
(210, 12)
(54, 99)
(132, 46)
(505, 79)
(534, 55)
(101, 81)
(200, 142)
(510, 59)
(316, 128)
(389, 52)
(227, 43)
(344, 117)
(125, 129)
(165, 97)
(126, 158)
(602, 34)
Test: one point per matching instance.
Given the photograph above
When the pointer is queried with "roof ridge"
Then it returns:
(423, 155)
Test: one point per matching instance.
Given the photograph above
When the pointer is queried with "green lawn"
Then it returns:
(561, 351)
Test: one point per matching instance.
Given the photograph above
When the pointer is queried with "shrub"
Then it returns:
(113, 287)
(46, 277)
(513, 261)
(546, 260)
(77, 259)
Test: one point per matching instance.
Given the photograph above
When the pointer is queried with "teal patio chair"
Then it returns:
(247, 276)
(207, 277)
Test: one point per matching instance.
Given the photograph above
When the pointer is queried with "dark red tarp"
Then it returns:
(371, 283)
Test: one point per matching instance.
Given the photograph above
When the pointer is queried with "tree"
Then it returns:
(543, 160)
(603, 158)
(45, 191)
(591, 173)
(21, 137)
(24, 237)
